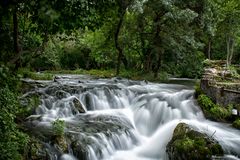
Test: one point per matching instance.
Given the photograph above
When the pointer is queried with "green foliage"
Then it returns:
(29, 104)
(234, 72)
(236, 124)
(58, 127)
(212, 110)
(26, 73)
(7, 78)
(198, 90)
(12, 140)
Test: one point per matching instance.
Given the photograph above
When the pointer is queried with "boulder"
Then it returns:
(60, 94)
(187, 143)
(78, 105)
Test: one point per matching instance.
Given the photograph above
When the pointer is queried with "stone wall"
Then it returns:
(219, 94)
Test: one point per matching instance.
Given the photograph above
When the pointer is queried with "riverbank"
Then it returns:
(110, 73)
(118, 111)
(218, 93)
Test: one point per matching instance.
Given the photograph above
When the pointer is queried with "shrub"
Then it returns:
(212, 110)
(12, 140)
(205, 102)
(236, 124)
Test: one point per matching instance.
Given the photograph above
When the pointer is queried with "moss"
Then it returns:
(236, 124)
(190, 144)
(213, 111)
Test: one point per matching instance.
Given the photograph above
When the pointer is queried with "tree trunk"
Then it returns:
(125, 61)
(156, 44)
(209, 48)
(15, 39)
(120, 50)
(148, 60)
(230, 50)
(157, 67)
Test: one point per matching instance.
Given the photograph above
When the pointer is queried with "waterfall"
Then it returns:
(124, 119)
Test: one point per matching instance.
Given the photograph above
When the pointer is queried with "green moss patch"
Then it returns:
(212, 110)
(190, 144)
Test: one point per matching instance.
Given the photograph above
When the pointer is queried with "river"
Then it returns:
(124, 119)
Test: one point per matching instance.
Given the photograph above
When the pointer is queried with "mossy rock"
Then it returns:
(60, 143)
(78, 105)
(187, 143)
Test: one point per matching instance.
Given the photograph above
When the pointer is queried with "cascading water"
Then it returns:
(124, 119)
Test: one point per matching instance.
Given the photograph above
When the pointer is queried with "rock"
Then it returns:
(220, 83)
(34, 118)
(36, 150)
(187, 143)
(67, 157)
(61, 143)
(211, 71)
(78, 105)
(56, 78)
(79, 150)
(81, 132)
(61, 94)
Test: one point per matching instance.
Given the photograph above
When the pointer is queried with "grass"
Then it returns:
(109, 73)
(26, 73)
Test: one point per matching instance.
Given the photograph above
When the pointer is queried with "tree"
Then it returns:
(122, 8)
(230, 24)
(171, 24)
(53, 17)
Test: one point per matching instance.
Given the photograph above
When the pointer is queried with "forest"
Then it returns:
(136, 39)
(166, 37)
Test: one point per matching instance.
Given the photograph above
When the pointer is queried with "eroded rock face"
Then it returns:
(187, 143)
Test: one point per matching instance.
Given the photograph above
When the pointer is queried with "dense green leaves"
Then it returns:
(171, 36)
(12, 140)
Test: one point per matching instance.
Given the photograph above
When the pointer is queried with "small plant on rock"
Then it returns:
(58, 127)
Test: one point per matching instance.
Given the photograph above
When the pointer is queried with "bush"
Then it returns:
(12, 140)
(7, 78)
(212, 110)
(236, 124)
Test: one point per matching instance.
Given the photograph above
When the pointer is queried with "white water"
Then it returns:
(152, 110)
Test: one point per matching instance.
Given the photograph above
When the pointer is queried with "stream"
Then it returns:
(124, 119)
